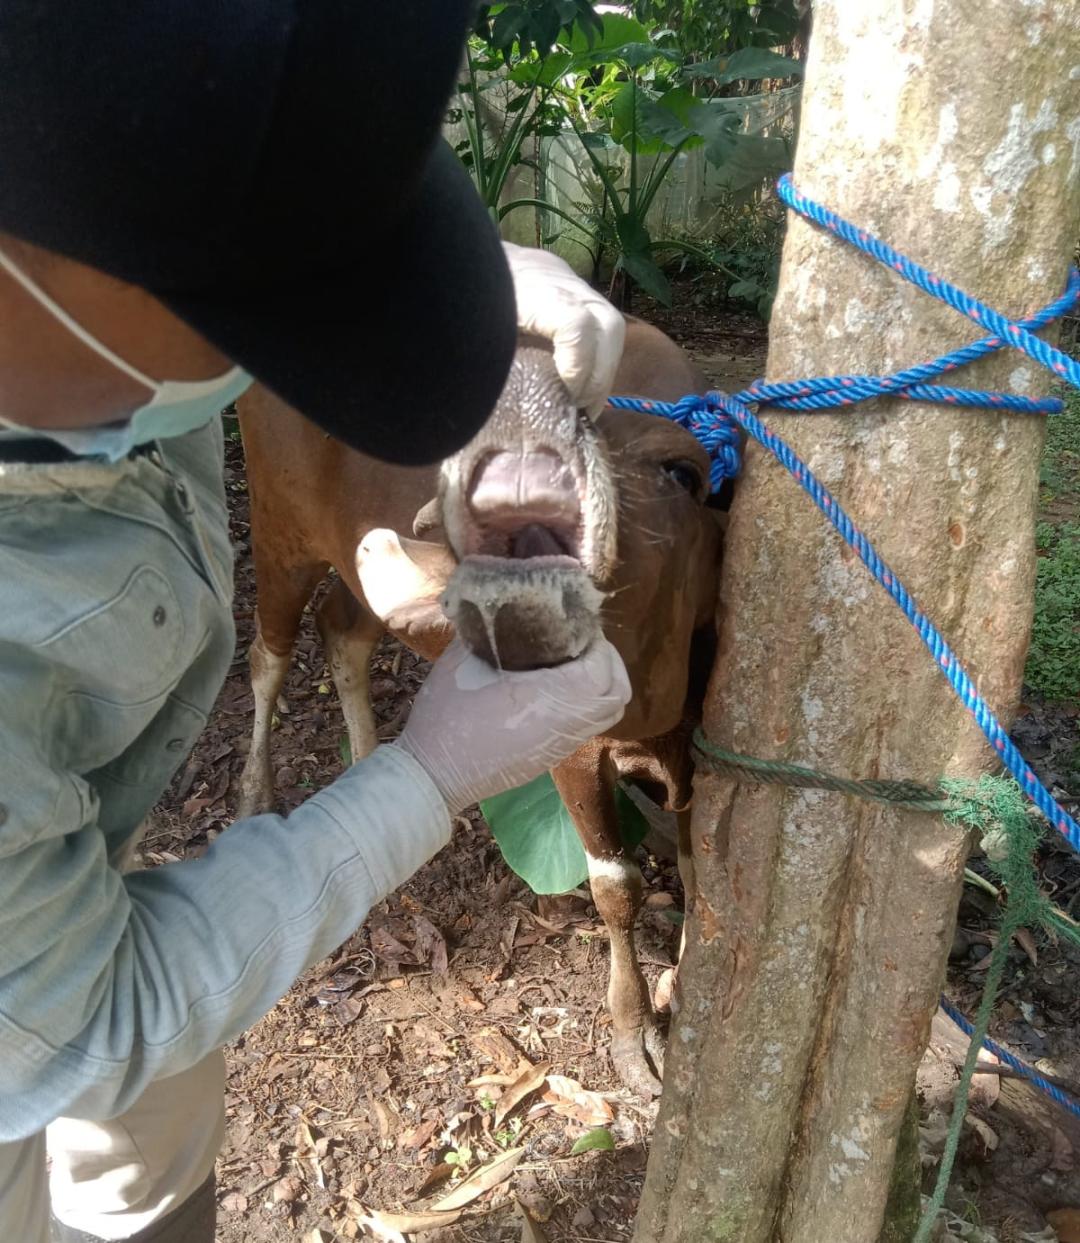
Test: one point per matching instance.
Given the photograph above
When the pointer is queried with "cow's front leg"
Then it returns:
(586, 782)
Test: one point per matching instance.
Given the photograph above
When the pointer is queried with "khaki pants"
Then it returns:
(113, 1179)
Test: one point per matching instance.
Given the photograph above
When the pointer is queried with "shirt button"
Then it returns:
(159, 615)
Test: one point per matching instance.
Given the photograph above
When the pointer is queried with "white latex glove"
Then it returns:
(587, 331)
(477, 731)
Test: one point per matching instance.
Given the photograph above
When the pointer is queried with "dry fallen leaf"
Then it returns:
(348, 1011)
(387, 947)
(525, 1084)
(430, 944)
(307, 1152)
(497, 1048)
(488, 1176)
(950, 1043)
(570, 1100)
(436, 1175)
(985, 1132)
(1063, 1158)
(531, 1198)
(530, 1231)
(287, 1189)
(392, 1227)
(318, 1236)
(416, 1137)
(1066, 1221)
(1023, 938)
(491, 1081)
(234, 1202)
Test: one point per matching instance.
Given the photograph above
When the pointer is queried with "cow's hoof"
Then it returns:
(638, 1058)
(253, 802)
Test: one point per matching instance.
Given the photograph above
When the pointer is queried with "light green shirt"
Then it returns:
(115, 636)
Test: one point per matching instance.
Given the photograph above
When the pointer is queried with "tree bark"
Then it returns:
(818, 941)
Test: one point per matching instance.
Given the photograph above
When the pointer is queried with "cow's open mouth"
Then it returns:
(521, 598)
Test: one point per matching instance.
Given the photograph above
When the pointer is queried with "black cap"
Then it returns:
(271, 171)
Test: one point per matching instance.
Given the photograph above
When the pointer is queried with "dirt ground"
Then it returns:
(391, 1057)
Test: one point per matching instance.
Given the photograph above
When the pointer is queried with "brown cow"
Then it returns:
(540, 495)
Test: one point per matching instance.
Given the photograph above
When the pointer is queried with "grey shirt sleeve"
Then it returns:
(109, 981)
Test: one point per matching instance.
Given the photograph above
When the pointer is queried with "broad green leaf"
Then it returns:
(748, 64)
(634, 55)
(648, 276)
(546, 72)
(750, 159)
(744, 289)
(597, 1140)
(505, 27)
(633, 132)
(633, 827)
(538, 839)
(633, 235)
(744, 159)
(666, 119)
(617, 31)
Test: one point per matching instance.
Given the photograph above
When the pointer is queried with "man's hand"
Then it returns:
(477, 731)
(587, 331)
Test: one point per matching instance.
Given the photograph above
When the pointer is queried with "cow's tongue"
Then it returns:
(535, 540)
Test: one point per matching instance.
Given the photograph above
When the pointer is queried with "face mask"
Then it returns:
(177, 407)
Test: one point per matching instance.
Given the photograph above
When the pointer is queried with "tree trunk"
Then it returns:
(818, 941)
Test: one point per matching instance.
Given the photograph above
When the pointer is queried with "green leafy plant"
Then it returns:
(634, 98)
(1053, 665)
(722, 26)
(1060, 471)
(524, 25)
(537, 836)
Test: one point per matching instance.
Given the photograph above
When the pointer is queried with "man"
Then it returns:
(190, 195)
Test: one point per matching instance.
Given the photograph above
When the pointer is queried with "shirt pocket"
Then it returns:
(119, 661)
(129, 649)
(161, 747)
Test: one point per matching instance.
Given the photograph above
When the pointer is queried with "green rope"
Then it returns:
(777, 772)
(998, 957)
(1009, 834)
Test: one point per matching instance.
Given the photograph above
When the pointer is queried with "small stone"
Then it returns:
(583, 1219)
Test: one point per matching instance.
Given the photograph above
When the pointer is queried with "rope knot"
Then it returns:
(710, 423)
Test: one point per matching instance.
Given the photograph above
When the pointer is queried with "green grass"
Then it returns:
(1060, 473)
(1053, 666)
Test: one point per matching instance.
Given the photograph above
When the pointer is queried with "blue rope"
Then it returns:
(715, 417)
(1010, 1059)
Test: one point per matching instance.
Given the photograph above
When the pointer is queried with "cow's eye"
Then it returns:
(686, 475)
